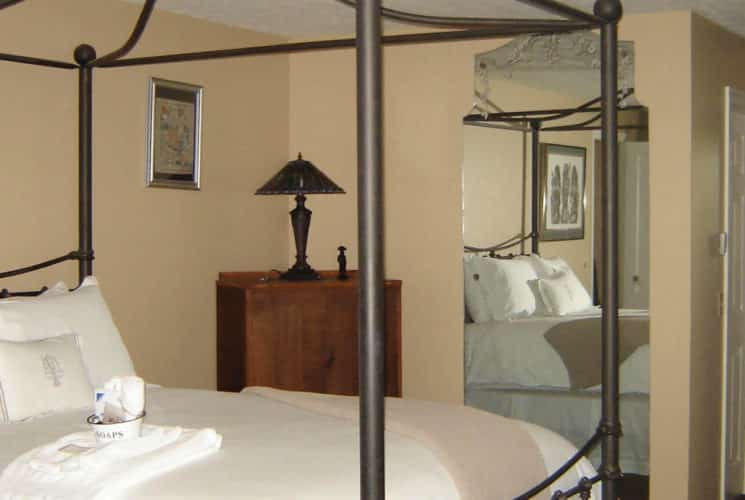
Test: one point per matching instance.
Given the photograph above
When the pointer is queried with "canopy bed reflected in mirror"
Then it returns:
(533, 240)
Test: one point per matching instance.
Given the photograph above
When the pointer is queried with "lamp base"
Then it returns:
(300, 274)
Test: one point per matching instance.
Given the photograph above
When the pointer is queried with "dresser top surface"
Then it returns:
(261, 279)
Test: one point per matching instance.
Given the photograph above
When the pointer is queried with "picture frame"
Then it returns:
(563, 199)
(174, 134)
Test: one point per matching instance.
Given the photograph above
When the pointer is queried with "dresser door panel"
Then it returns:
(300, 339)
(298, 336)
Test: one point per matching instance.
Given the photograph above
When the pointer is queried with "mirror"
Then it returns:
(532, 332)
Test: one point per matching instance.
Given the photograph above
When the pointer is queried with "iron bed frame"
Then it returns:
(368, 42)
(534, 122)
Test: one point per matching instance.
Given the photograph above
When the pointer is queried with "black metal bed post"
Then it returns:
(8, 3)
(84, 54)
(535, 141)
(370, 236)
(610, 11)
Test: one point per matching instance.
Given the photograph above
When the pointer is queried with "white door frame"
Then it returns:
(729, 92)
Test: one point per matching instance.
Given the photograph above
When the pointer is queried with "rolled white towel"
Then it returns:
(123, 399)
(133, 396)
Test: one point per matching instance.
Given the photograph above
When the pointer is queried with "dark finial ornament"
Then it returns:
(84, 54)
(610, 10)
(300, 177)
(342, 260)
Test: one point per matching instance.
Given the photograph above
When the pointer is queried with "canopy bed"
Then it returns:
(372, 419)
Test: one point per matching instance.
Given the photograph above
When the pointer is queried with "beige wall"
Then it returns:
(717, 62)
(683, 64)
(158, 250)
(492, 176)
(427, 90)
(663, 83)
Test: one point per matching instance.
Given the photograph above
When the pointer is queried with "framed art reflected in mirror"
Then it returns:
(174, 134)
(562, 201)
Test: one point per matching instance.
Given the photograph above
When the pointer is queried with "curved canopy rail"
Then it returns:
(512, 242)
(368, 42)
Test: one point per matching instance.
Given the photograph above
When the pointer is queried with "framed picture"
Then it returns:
(562, 202)
(173, 134)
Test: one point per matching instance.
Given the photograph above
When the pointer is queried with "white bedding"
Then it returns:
(274, 451)
(574, 415)
(512, 370)
(515, 354)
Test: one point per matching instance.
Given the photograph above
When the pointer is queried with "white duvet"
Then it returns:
(275, 451)
(514, 353)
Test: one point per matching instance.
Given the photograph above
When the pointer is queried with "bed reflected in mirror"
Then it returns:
(533, 286)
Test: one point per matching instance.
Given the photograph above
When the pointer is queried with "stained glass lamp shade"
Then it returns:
(300, 177)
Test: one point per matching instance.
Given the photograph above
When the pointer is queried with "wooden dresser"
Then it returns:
(298, 335)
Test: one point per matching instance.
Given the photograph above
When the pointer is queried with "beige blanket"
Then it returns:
(489, 457)
(579, 343)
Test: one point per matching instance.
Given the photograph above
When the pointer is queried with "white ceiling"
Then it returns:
(318, 18)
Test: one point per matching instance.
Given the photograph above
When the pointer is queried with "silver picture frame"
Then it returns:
(563, 199)
(174, 134)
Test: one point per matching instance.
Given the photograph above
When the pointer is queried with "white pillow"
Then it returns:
(564, 294)
(20, 321)
(498, 289)
(41, 376)
(59, 288)
(558, 264)
(476, 306)
(82, 311)
(512, 297)
(540, 306)
(543, 268)
(546, 267)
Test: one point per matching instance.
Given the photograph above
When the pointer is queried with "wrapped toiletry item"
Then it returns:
(112, 411)
(122, 400)
(99, 402)
(133, 396)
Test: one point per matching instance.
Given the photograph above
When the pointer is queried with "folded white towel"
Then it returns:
(75, 467)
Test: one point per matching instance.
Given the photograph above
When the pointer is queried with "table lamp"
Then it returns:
(300, 177)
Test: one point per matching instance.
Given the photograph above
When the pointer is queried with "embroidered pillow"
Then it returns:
(42, 376)
(550, 269)
(82, 311)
